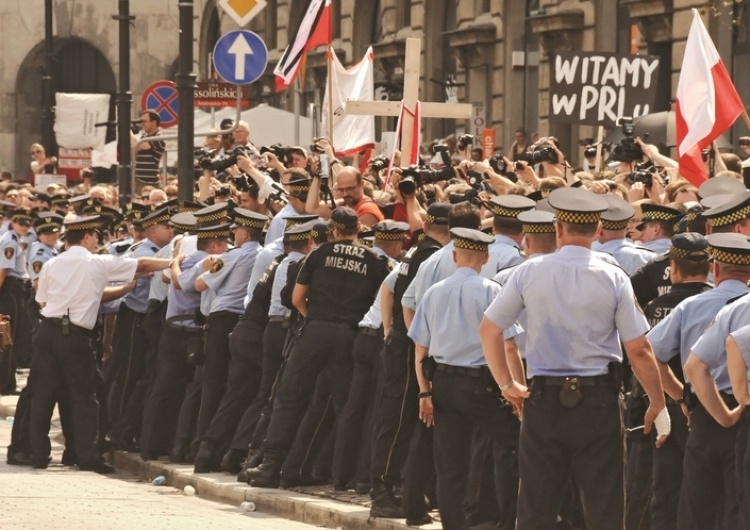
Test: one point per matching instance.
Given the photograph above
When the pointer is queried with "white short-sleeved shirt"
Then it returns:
(74, 281)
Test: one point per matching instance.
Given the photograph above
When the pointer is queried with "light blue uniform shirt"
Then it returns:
(684, 325)
(12, 256)
(448, 318)
(184, 302)
(711, 346)
(226, 284)
(38, 256)
(503, 253)
(4, 227)
(125, 244)
(137, 299)
(659, 246)
(277, 224)
(742, 338)
(627, 255)
(158, 288)
(276, 308)
(579, 309)
(262, 261)
(374, 317)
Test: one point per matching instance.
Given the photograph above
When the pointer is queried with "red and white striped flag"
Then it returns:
(315, 30)
(707, 102)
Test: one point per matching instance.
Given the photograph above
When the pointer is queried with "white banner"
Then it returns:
(351, 133)
(75, 116)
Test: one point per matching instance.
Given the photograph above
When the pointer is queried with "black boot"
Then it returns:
(384, 504)
(232, 461)
(267, 474)
(206, 460)
(253, 459)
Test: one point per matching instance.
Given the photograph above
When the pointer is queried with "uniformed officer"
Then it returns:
(227, 277)
(505, 250)
(396, 415)
(462, 390)
(14, 291)
(738, 361)
(657, 226)
(612, 238)
(181, 337)
(19, 451)
(129, 341)
(732, 214)
(654, 475)
(709, 487)
(63, 358)
(578, 310)
(335, 287)
(354, 431)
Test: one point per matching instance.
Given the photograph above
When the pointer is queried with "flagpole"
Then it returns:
(746, 118)
(330, 96)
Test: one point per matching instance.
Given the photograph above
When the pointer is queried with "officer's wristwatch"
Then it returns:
(425, 395)
(507, 385)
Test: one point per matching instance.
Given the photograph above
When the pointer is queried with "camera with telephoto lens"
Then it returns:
(498, 165)
(378, 164)
(445, 156)
(135, 126)
(627, 150)
(539, 153)
(277, 150)
(464, 141)
(221, 163)
(644, 173)
(471, 196)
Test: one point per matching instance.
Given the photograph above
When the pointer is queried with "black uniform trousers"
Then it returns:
(187, 419)
(323, 347)
(419, 472)
(13, 296)
(153, 326)
(173, 374)
(316, 431)
(667, 472)
(708, 498)
(243, 383)
(742, 467)
(64, 365)
(215, 367)
(584, 444)
(398, 411)
(274, 336)
(129, 348)
(354, 432)
(463, 402)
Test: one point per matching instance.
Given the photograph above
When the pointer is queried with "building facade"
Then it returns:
(495, 52)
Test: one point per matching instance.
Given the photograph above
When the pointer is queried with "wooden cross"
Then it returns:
(458, 111)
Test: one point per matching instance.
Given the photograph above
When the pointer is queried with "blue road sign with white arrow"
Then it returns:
(240, 57)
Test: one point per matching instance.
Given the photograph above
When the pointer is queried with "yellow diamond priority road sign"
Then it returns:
(242, 11)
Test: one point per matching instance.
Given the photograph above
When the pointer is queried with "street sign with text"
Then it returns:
(218, 94)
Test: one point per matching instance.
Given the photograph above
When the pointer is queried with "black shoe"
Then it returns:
(41, 464)
(19, 459)
(69, 458)
(384, 504)
(232, 461)
(339, 485)
(206, 461)
(100, 467)
(419, 521)
(146, 456)
(177, 455)
(267, 474)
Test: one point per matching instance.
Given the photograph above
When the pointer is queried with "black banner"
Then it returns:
(599, 88)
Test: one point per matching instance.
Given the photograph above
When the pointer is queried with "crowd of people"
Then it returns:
(455, 335)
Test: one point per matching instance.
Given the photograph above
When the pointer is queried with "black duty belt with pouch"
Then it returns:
(571, 393)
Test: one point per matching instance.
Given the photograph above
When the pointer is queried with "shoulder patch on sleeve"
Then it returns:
(217, 266)
(8, 252)
(36, 266)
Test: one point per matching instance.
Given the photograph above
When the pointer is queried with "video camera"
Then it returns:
(644, 173)
(414, 177)
(220, 163)
(539, 153)
(278, 151)
(627, 150)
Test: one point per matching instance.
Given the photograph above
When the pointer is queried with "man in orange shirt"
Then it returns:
(351, 188)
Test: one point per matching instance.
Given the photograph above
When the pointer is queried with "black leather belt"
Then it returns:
(278, 318)
(473, 371)
(57, 321)
(591, 380)
(372, 332)
(330, 323)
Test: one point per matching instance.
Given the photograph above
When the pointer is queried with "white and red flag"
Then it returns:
(314, 31)
(351, 133)
(707, 102)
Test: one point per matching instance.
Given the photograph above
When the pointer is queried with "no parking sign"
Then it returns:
(161, 97)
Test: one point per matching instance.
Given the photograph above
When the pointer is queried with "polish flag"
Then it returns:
(314, 31)
(707, 102)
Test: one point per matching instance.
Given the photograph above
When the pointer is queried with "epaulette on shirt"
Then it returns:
(39, 252)
(14, 236)
(134, 246)
(122, 248)
(732, 300)
(646, 249)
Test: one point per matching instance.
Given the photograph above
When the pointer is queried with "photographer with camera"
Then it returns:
(350, 188)
(407, 207)
(546, 153)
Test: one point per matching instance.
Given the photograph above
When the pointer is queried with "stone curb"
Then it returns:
(224, 488)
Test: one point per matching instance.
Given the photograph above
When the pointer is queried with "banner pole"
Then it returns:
(330, 97)
(746, 119)
(599, 139)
